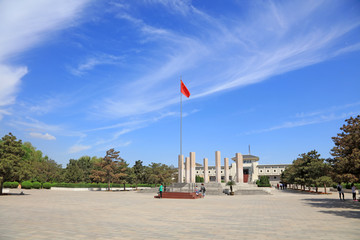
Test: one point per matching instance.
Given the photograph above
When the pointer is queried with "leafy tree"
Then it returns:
(346, 153)
(139, 172)
(11, 156)
(86, 165)
(111, 169)
(309, 169)
(159, 173)
(47, 171)
(74, 173)
(324, 181)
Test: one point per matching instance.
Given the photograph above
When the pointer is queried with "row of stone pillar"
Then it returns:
(190, 168)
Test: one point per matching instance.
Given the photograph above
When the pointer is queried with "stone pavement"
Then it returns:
(48, 214)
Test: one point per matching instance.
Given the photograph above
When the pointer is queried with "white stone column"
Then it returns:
(180, 168)
(218, 166)
(239, 168)
(192, 167)
(226, 169)
(206, 171)
(187, 170)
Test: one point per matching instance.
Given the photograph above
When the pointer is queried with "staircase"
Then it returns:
(179, 195)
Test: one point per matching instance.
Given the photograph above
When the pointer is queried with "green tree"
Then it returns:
(11, 156)
(74, 173)
(346, 153)
(309, 169)
(86, 165)
(47, 170)
(139, 172)
(157, 173)
(111, 169)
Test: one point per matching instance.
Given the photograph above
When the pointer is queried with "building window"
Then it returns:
(274, 177)
(221, 171)
(197, 171)
(209, 171)
(274, 170)
(281, 170)
(268, 170)
(260, 170)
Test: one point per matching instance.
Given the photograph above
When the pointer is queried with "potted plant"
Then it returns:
(231, 184)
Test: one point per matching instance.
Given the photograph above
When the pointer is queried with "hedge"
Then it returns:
(47, 185)
(99, 185)
(26, 185)
(10, 184)
(36, 185)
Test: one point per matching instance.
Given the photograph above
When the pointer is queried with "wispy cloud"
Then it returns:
(305, 122)
(229, 53)
(315, 117)
(45, 136)
(78, 148)
(96, 60)
(24, 24)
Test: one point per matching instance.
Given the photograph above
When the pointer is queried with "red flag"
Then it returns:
(184, 89)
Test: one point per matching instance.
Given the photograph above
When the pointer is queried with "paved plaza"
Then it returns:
(49, 214)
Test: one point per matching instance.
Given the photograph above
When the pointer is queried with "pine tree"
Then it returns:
(346, 162)
(111, 169)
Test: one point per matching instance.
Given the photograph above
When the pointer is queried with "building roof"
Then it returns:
(248, 157)
(273, 165)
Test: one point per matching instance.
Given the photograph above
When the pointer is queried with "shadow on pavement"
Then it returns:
(347, 208)
(15, 194)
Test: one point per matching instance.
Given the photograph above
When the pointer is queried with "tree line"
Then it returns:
(23, 162)
(309, 169)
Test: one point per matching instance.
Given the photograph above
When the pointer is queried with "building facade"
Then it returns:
(251, 170)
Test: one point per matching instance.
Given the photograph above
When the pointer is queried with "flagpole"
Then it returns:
(180, 120)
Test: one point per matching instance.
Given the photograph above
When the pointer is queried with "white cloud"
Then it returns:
(23, 24)
(91, 62)
(306, 121)
(229, 53)
(45, 136)
(33, 21)
(78, 148)
(9, 83)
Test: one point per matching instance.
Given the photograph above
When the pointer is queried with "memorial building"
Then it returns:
(241, 169)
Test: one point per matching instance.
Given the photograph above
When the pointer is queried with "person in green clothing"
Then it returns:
(161, 190)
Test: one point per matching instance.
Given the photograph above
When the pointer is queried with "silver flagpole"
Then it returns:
(180, 119)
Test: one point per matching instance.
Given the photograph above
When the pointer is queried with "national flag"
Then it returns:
(184, 89)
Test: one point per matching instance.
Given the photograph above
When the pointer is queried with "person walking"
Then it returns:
(161, 188)
(353, 190)
(203, 190)
(341, 191)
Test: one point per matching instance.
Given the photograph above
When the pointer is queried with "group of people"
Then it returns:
(341, 191)
(202, 190)
(281, 186)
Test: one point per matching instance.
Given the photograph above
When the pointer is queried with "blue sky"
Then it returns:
(80, 77)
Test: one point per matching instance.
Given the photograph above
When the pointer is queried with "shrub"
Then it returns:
(10, 184)
(26, 185)
(36, 185)
(199, 179)
(264, 185)
(47, 185)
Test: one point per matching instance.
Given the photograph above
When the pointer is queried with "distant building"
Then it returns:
(251, 170)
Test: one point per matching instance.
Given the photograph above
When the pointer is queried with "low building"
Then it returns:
(251, 170)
